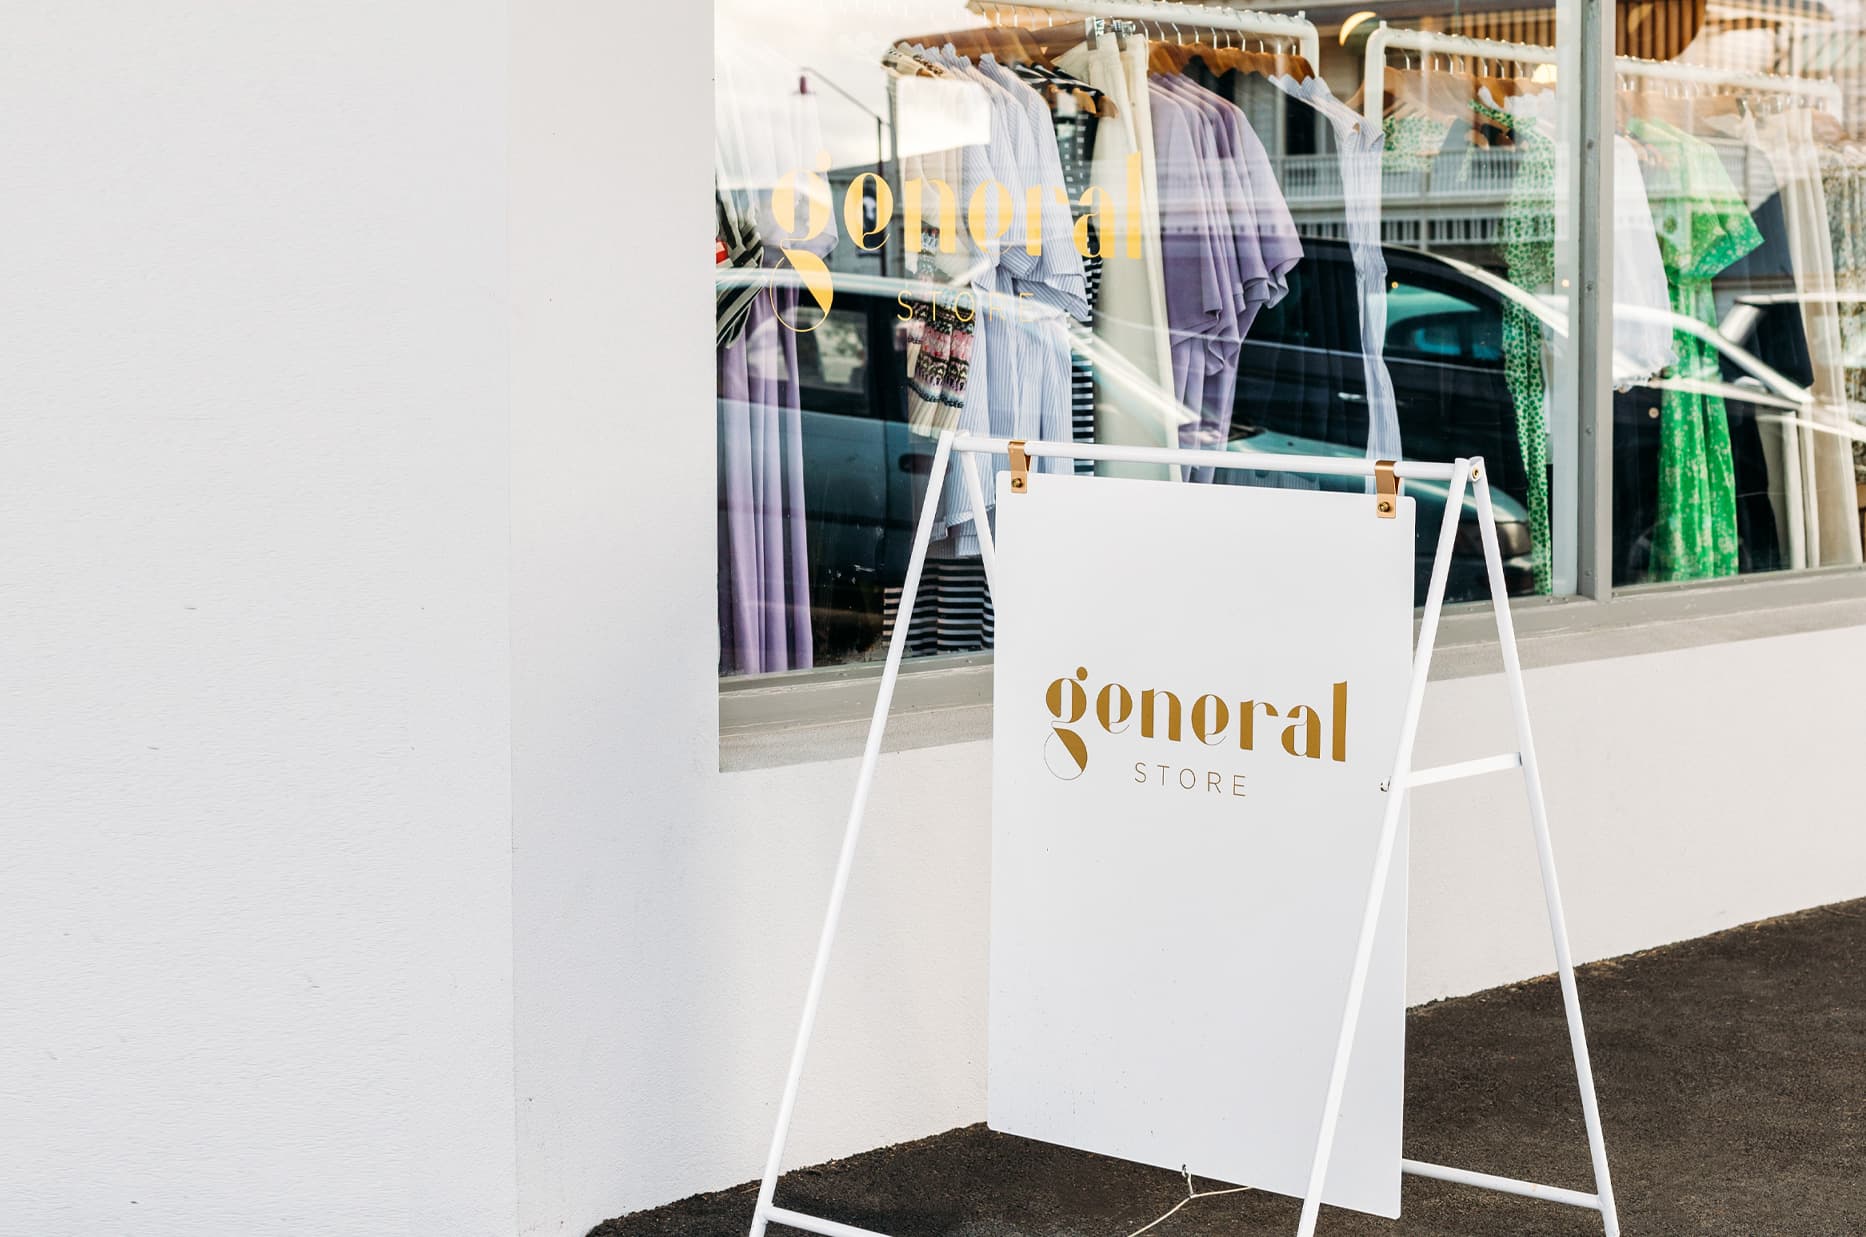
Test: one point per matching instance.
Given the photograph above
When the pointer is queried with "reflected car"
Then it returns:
(1467, 579)
(865, 472)
(1302, 376)
(1301, 391)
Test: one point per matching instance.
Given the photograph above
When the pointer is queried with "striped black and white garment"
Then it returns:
(952, 614)
(1081, 369)
(1075, 142)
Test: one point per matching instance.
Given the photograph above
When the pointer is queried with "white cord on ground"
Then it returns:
(1190, 1195)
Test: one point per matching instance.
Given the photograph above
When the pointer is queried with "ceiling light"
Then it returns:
(1347, 27)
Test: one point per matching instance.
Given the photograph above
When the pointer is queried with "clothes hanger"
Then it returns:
(1164, 57)
(1030, 52)
(1013, 41)
(1053, 40)
(1827, 127)
(901, 59)
(1653, 99)
(1220, 56)
(1451, 91)
(1003, 42)
(1042, 73)
(1176, 56)
(1722, 103)
(1267, 63)
(1473, 95)
(1644, 101)
(1501, 86)
(1707, 102)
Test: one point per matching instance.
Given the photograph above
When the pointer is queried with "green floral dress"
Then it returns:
(1529, 256)
(1704, 225)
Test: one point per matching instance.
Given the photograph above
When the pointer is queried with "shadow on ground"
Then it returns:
(1732, 1079)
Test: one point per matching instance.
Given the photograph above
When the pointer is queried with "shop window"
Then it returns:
(1280, 284)
(1734, 439)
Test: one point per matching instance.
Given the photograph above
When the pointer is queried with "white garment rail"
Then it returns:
(1392, 38)
(1825, 93)
(1496, 52)
(1192, 17)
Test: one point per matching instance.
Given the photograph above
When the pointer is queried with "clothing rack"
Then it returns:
(1826, 93)
(1493, 51)
(1282, 27)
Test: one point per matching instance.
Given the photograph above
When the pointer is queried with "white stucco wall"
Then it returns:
(255, 923)
(1690, 791)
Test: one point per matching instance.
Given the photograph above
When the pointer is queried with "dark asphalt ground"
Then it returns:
(1732, 1078)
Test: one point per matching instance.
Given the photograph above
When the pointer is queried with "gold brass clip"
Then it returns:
(1020, 467)
(1386, 489)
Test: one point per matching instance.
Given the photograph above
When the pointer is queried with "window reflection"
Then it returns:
(1739, 456)
(1339, 234)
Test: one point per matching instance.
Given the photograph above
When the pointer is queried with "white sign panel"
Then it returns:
(1199, 689)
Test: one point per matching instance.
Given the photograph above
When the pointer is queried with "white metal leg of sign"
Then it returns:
(1464, 768)
(839, 885)
(1403, 779)
(1460, 474)
(1383, 856)
(1545, 857)
(975, 492)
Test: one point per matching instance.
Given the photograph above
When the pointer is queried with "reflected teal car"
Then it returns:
(1467, 579)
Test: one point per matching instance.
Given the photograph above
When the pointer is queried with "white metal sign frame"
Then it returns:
(1460, 474)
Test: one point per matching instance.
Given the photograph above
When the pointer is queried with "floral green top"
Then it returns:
(1704, 225)
(1412, 142)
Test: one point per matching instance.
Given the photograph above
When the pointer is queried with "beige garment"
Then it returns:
(1829, 505)
(1134, 61)
(1135, 406)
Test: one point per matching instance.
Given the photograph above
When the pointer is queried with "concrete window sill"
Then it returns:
(813, 716)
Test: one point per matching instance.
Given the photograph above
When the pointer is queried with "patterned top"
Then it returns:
(1845, 193)
(1529, 255)
(1413, 142)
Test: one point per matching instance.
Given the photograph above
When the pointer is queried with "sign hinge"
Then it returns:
(1020, 467)
(1386, 489)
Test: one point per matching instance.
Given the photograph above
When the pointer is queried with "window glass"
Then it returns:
(1738, 287)
(1250, 233)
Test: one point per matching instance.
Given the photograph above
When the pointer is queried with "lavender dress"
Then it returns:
(764, 573)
